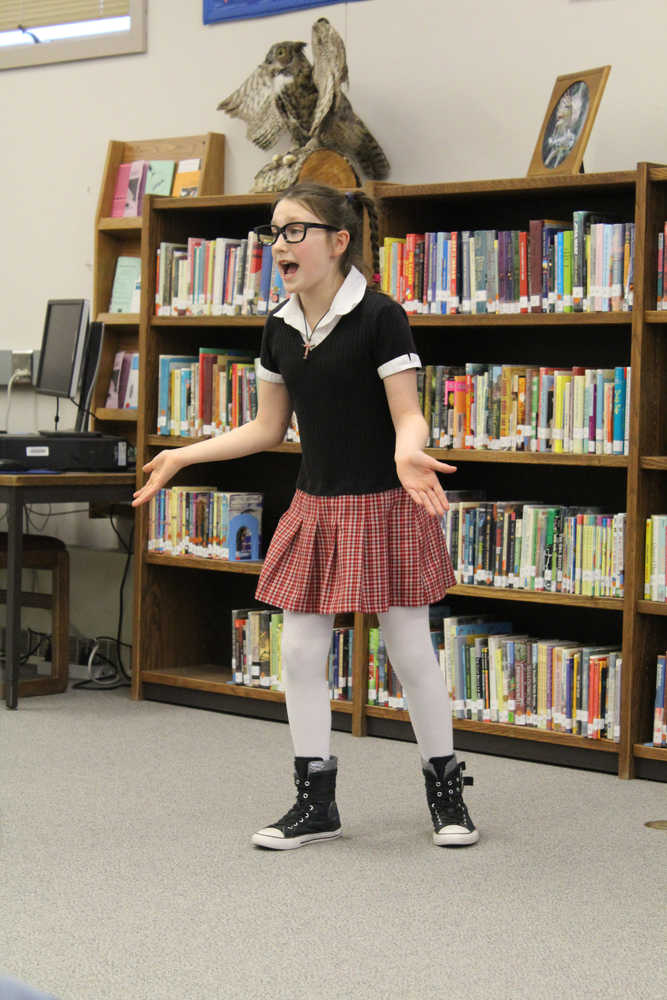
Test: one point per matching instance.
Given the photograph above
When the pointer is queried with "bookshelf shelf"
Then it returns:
(119, 319)
(537, 597)
(447, 454)
(650, 753)
(537, 735)
(656, 462)
(210, 678)
(528, 458)
(518, 320)
(197, 562)
(505, 188)
(217, 680)
(652, 607)
(176, 617)
(502, 729)
(171, 441)
(288, 448)
(236, 322)
(119, 226)
(384, 712)
(104, 413)
(162, 441)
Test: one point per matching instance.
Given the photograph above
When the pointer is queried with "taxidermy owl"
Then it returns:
(286, 93)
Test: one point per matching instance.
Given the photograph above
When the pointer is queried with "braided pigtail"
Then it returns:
(361, 199)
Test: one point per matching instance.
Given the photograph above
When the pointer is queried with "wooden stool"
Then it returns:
(44, 552)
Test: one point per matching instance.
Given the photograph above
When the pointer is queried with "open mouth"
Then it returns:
(288, 268)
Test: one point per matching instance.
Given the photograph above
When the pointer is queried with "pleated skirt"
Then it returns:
(365, 553)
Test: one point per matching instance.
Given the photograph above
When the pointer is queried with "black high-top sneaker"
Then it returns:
(314, 815)
(452, 826)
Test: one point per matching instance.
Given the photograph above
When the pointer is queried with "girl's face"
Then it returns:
(313, 262)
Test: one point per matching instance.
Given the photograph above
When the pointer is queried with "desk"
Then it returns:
(16, 490)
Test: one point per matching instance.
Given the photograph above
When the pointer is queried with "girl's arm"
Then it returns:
(416, 470)
(274, 409)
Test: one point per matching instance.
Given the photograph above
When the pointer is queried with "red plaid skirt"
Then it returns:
(355, 553)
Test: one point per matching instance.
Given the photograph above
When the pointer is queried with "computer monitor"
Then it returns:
(63, 344)
(90, 364)
(70, 357)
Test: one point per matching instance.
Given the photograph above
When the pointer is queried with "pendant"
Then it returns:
(306, 352)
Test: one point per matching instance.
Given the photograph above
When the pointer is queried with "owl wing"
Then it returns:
(255, 103)
(329, 69)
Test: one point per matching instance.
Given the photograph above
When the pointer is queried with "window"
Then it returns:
(36, 32)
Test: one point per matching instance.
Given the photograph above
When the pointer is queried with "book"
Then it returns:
(657, 556)
(240, 526)
(166, 363)
(187, 178)
(159, 177)
(265, 281)
(211, 406)
(120, 191)
(131, 401)
(123, 291)
(259, 674)
(239, 646)
(126, 364)
(659, 714)
(135, 188)
(112, 392)
(167, 278)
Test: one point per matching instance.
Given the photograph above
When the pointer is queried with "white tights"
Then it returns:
(305, 647)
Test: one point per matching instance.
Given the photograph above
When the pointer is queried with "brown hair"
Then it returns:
(344, 210)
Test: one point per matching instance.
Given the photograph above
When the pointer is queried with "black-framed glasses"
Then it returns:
(293, 232)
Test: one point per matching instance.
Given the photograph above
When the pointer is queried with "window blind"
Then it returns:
(35, 13)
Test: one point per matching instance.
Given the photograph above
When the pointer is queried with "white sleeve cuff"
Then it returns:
(399, 364)
(267, 375)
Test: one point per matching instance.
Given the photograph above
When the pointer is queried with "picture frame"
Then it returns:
(568, 121)
(230, 10)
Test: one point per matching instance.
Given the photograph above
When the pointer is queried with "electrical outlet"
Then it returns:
(22, 361)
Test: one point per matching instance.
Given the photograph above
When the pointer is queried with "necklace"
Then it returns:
(309, 336)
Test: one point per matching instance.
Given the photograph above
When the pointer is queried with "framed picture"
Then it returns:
(567, 124)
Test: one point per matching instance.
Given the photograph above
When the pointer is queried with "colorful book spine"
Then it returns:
(655, 572)
(580, 265)
(660, 705)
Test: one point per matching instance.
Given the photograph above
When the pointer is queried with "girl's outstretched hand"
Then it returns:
(418, 475)
(162, 468)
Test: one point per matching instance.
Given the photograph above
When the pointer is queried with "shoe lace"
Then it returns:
(301, 809)
(446, 799)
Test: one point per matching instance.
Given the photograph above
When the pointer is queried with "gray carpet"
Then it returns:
(127, 872)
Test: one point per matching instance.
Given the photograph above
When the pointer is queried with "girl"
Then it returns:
(362, 532)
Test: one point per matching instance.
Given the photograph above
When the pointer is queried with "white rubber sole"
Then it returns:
(278, 843)
(456, 837)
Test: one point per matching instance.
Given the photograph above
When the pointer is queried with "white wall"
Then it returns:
(452, 91)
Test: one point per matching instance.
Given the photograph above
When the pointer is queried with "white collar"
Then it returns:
(348, 296)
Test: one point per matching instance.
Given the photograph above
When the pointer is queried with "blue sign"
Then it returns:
(228, 10)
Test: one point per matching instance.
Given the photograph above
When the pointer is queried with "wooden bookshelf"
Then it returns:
(181, 616)
(115, 237)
